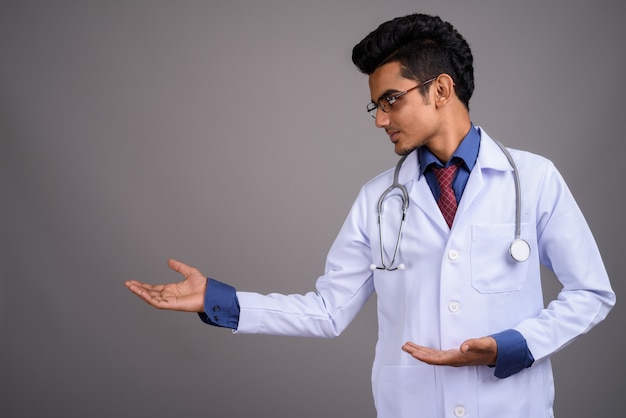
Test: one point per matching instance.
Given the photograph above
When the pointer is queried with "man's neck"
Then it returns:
(452, 134)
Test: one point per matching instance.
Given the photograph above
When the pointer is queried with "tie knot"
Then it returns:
(445, 175)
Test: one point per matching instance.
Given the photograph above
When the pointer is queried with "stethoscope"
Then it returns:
(519, 248)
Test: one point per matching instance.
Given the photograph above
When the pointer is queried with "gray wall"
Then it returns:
(233, 136)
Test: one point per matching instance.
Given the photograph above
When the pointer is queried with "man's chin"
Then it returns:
(402, 151)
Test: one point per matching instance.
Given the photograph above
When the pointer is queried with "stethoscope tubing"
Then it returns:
(519, 248)
(405, 205)
(518, 192)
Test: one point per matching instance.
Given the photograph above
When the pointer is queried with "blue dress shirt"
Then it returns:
(465, 155)
(221, 306)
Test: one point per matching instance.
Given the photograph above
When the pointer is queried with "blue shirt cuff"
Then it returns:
(513, 353)
(221, 306)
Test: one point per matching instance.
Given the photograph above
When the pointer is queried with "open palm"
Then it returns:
(187, 295)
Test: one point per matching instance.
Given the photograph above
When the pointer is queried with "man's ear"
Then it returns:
(444, 89)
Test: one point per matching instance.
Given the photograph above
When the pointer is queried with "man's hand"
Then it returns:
(187, 295)
(475, 352)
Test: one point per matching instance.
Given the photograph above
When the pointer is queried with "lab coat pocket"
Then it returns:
(408, 391)
(493, 268)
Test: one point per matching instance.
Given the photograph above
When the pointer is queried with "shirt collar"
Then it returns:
(467, 152)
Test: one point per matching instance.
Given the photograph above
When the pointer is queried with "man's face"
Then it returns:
(413, 120)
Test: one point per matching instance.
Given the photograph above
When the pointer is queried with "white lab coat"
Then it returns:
(458, 284)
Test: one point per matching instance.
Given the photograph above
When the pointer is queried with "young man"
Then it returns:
(452, 250)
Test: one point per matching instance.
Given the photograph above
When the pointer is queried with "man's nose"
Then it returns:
(382, 119)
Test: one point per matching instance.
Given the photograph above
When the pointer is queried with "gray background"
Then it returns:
(233, 136)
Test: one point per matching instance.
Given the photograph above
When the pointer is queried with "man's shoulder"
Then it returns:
(521, 157)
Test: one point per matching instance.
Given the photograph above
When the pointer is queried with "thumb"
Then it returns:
(179, 267)
(479, 344)
(470, 345)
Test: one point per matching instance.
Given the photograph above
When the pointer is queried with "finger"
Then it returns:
(134, 286)
(419, 352)
(135, 283)
(416, 349)
(154, 298)
(411, 346)
(137, 289)
(147, 287)
(144, 290)
(142, 293)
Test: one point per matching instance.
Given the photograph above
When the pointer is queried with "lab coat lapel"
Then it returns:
(473, 187)
(490, 157)
(420, 195)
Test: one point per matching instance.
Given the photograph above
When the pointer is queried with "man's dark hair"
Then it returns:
(425, 46)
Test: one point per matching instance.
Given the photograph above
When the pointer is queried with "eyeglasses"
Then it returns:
(385, 103)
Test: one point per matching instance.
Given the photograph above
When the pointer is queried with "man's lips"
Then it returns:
(393, 135)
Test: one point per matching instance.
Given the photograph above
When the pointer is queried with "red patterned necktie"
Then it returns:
(447, 200)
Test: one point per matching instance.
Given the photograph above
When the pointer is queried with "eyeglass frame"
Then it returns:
(391, 100)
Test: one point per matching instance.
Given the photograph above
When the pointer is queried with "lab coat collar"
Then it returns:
(490, 157)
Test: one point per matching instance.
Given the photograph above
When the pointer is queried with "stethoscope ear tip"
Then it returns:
(401, 266)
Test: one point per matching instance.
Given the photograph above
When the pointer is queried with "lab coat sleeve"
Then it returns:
(340, 293)
(566, 246)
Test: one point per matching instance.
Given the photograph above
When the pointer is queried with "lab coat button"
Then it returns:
(454, 307)
(453, 255)
(459, 411)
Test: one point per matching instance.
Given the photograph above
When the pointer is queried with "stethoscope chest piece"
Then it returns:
(519, 250)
